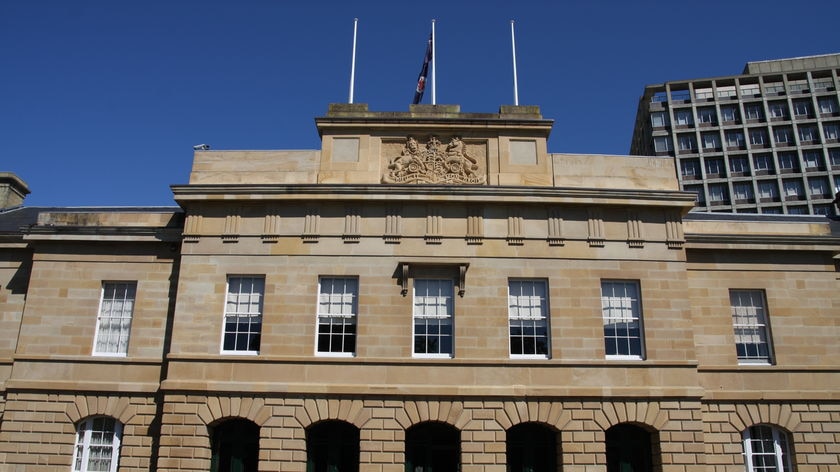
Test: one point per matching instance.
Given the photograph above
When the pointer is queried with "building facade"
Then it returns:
(431, 290)
(765, 141)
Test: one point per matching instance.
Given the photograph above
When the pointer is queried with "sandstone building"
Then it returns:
(764, 141)
(431, 290)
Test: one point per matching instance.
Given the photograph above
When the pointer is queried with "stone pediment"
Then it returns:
(433, 162)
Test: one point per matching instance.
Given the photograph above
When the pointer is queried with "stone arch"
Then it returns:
(644, 414)
(550, 413)
(219, 408)
(775, 414)
(449, 412)
(314, 410)
(119, 408)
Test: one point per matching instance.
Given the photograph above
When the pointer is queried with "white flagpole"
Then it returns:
(513, 47)
(353, 61)
(434, 56)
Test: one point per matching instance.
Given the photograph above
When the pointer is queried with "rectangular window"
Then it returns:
(788, 162)
(819, 187)
(528, 318)
(734, 139)
(687, 142)
(803, 108)
(697, 189)
(433, 313)
(831, 131)
(718, 193)
(752, 334)
(813, 159)
(683, 117)
(703, 93)
(727, 91)
(113, 325)
(777, 88)
(758, 136)
(729, 113)
(243, 315)
(337, 310)
(793, 189)
(690, 169)
(783, 136)
(808, 134)
(778, 110)
(827, 105)
(834, 156)
(753, 111)
(739, 165)
(750, 90)
(711, 140)
(662, 143)
(706, 115)
(768, 190)
(621, 309)
(764, 163)
(743, 191)
(714, 168)
(658, 119)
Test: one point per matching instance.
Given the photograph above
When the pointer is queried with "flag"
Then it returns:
(424, 73)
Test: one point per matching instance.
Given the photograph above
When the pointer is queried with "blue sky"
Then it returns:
(102, 101)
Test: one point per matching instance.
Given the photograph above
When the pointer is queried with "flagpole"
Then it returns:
(353, 61)
(513, 47)
(434, 56)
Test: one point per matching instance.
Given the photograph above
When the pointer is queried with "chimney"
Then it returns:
(12, 190)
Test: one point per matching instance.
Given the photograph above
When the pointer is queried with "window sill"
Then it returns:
(615, 357)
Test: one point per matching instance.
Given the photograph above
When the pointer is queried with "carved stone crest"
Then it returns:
(434, 163)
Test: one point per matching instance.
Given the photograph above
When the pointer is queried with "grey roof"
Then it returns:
(12, 219)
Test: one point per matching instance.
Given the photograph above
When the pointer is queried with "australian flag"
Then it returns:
(424, 73)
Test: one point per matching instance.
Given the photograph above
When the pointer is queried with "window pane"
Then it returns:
(97, 445)
(749, 319)
(433, 310)
(621, 312)
(243, 314)
(337, 309)
(114, 320)
(528, 317)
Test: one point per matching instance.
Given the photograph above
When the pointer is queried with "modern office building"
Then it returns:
(764, 141)
(431, 290)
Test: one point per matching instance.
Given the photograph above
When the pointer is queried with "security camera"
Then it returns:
(201, 147)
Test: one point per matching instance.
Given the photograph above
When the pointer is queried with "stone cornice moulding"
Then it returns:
(440, 193)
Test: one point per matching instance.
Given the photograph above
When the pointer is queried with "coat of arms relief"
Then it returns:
(434, 163)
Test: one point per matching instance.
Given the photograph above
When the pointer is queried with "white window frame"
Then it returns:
(86, 443)
(756, 438)
(338, 308)
(831, 131)
(783, 136)
(433, 306)
(802, 107)
(777, 109)
(251, 315)
(818, 186)
(621, 304)
(690, 168)
(788, 160)
(808, 133)
(748, 308)
(710, 140)
(743, 164)
(113, 321)
(764, 162)
(528, 312)
(793, 188)
(813, 158)
(687, 142)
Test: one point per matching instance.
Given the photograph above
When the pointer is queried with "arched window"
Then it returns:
(97, 445)
(332, 446)
(629, 449)
(531, 447)
(236, 446)
(432, 447)
(766, 449)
